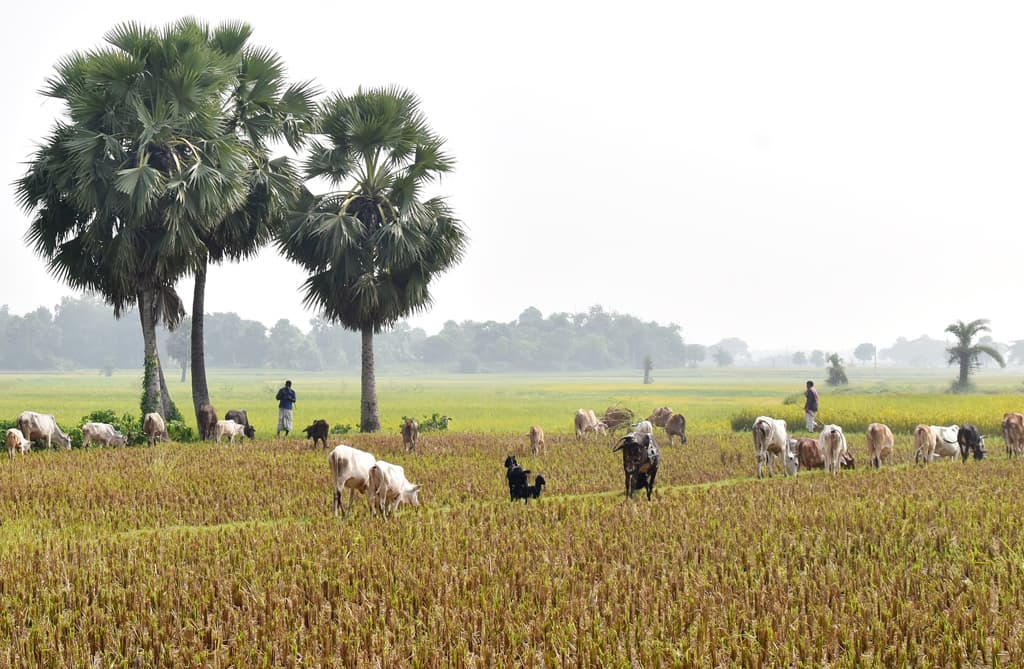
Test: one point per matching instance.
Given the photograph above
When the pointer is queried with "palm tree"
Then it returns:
(120, 187)
(372, 245)
(968, 354)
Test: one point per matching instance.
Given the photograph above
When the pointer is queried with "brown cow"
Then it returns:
(410, 435)
(924, 444)
(675, 426)
(616, 417)
(1013, 434)
(206, 419)
(660, 416)
(880, 443)
(808, 454)
(537, 440)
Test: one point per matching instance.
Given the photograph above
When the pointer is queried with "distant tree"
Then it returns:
(1017, 351)
(736, 347)
(800, 358)
(817, 358)
(921, 352)
(836, 373)
(722, 357)
(865, 352)
(179, 346)
(648, 369)
(695, 353)
(966, 353)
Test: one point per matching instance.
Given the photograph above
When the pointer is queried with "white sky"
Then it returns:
(798, 174)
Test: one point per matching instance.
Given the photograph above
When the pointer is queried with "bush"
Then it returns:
(436, 423)
(342, 428)
(128, 425)
(178, 431)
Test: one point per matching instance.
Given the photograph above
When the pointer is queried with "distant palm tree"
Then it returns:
(373, 245)
(966, 353)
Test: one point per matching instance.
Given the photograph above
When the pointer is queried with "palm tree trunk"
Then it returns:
(369, 413)
(965, 369)
(200, 389)
(166, 405)
(151, 376)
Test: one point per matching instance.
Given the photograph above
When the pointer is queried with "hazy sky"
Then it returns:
(798, 174)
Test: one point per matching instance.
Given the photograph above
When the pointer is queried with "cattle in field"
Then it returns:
(16, 441)
(594, 425)
(660, 416)
(317, 431)
(675, 426)
(154, 428)
(1013, 434)
(880, 444)
(644, 427)
(580, 423)
(770, 441)
(832, 443)
(807, 453)
(943, 443)
(519, 484)
(42, 426)
(537, 440)
(924, 444)
(388, 488)
(228, 428)
(640, 461)
(585, 422)
(206, 419)
(102, 433)
(616, 417)
(350, 468)
(971, 442)
(241, 417)
(410, 434)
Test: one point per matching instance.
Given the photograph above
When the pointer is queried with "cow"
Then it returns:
(16, 441)
(944, 443)
(518, 482)
(644, 427)
(806, 454)
(154, 428)
(102, 433)
(580, 422)
(1013, 434)
(770, 440)
(675, 426)
(206, 419)
(594, 425)
(616, 417)
(229, 428)
(880, 444)
(42, 426)
(350, 468)
(241, 417)
(410, 434)
(388, 487)
(924, 444)
(660, 416)
(537, 440)
(640, 461)
(832, 442)
(317, 431)
(971, 442)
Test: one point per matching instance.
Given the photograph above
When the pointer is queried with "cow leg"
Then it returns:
(337, 501)
(760, 464)
(628, 485)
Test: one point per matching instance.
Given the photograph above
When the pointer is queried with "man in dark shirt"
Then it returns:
(285, 404)
(811, 405)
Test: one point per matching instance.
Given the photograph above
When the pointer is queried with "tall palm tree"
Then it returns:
(966, 353)
(120, 187)
(373, 244)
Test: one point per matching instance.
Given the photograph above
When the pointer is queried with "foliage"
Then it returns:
(342, 428)
(836, 372)
(126, 424)
(722, 357)
(967, 354)
(178, 431)
(865, 352)
(435, 423)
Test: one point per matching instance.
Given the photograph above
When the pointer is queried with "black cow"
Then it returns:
(318, 431)
(242, 418)
(518, 481)
(640, 459)
(971, 442)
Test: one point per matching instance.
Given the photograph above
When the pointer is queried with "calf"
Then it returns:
(16, 441)
(675, 426)
(102, 433)
(317, 431)
(241, 417)
(410, 434)
(206, 421)
(229, 428)
(350, 468)
(154, 428)
(537, 440)
(880, 444)
(388, 487)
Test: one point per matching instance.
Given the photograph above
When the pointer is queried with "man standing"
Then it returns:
(286, 402)
(811, 405)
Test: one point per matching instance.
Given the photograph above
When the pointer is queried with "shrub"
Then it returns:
(342, 428)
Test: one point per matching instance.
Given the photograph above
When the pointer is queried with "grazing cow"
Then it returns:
(16, 441)
(242, 418)
(1013, 434)
(580, 422)
(537, 440)
(616, 417)
(410, 434)
(880, 444)
(154, 428)
(229, 428)
(944, 443)
(207, 421)
(317, 431)
(675, 426)
(42, 426)
(350, 468)
(770, 440)
(388, 488)
(832, 442)
(660, 416)
(807, 453)
(924, 444)
(640, 460)
(102, 433)
(971, 442)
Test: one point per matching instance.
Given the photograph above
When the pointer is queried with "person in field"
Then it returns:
(810, 405)
(285, 405)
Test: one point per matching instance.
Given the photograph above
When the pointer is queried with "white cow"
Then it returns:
(229, 428)
(644, 427)
(389, 488)
(770, 440)
(154, 427)
(832, 443)
(943, 443)
(350, 468)
(42, 426)
(102, 433)
(16, 441)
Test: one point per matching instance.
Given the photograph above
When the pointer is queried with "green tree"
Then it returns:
(179, 346)
(836, 372)
(799, 358)
(865, 352)
(966, 353)
(817, 358)
(373, 245)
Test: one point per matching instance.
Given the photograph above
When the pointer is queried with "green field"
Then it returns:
(229, 556)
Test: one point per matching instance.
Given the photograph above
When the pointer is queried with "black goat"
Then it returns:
(518, 482)
(640, 459)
